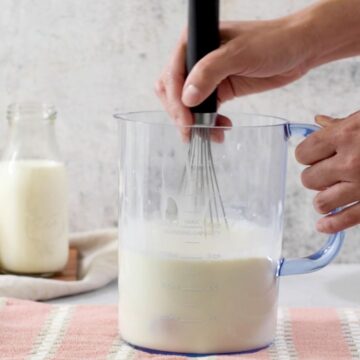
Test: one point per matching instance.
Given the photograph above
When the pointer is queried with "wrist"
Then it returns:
(328, 30)
(305, 43)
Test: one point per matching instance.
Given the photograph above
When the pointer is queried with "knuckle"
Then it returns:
(169, 79)
(205, 71)
(159, 87)
(342, 134)
(343, 220)
(299, 154)
(235, 48)
(305, 148)
(228, 50)
(310, 180)
(352, 163)
(331, 226)
(348, 219)
(174, 77)
(321, 205)
(345, 132)
(306, 179)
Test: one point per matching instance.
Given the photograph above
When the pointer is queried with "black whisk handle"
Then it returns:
(203, 37)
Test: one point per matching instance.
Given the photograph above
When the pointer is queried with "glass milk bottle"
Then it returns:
(33, 194)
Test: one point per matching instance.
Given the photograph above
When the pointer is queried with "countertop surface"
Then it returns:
(338, 285)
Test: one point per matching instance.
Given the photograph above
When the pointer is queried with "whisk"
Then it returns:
(203, 208)
(201, 193)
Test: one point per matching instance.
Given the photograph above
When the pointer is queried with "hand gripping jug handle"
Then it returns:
(330, 249)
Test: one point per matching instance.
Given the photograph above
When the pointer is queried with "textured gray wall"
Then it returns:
(89, 57)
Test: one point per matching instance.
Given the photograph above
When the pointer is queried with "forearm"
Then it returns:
(331, 29)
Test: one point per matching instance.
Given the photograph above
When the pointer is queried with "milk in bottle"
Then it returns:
(33, 195)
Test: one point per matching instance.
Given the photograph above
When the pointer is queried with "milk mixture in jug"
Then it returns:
(174, 301)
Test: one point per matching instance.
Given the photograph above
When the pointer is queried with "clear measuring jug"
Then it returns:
(187, 288)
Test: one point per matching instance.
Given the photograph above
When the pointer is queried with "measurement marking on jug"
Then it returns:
(189, 288)
(193, 258)
(214, 256)
(187, 321)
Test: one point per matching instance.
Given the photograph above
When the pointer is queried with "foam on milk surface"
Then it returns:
(244, 240)
(33, 220)
(206, 305)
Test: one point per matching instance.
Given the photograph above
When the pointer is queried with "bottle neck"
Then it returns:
(31, 133)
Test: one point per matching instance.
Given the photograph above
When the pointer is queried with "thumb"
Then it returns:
(205, 76)
(325, 121)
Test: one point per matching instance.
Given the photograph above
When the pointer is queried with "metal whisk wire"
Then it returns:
(200, 185)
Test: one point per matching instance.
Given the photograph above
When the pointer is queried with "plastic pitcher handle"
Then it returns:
(333, 245)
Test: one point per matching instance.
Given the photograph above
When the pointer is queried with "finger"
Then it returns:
(217, 134)
(223, 121)
(314, 148)
(160, 91)
(235, 85)
(174, 83)
(325, 121)
(183, 129)
(185, 133)
(336, 196)
(205, 76)
(175, 77)
(177, 63)
(321, 175)
(181, 123)
(160, 88)
(346, 218)
(226, 90)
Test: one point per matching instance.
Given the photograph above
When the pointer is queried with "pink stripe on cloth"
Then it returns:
(317, 335)
(24, 316)
(49, 332)
(90, 333)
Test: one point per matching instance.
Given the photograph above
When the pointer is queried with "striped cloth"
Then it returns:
(38, 331)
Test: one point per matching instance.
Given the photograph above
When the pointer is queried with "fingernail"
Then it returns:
(191, 95)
